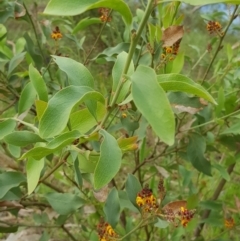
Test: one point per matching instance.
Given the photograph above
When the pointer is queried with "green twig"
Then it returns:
(94, 44)
(60, 163)
(134, 41)
(213, 121)
(34, 29)
(68, 233)
(220, 42)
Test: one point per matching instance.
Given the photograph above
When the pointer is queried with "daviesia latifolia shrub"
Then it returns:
(119, 120)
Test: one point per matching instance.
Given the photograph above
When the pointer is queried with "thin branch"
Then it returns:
(68, 233)
(214, 197)
(60, 163)
(94, 44)
(220, 43)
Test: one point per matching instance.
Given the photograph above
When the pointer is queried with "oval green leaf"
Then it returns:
(85, 23)
(152, 102)
(133, 186)
(56, 144)
(75, 7)
(109, 162)
(38, 83)
(56, 115)
(9, 180)
(64, 203)
(77, 73)
(117, 75)
(205, 2)
(178, 82)
(22, 138)
(33, 169)
(27, 98)
(112, 208)
(7, 127)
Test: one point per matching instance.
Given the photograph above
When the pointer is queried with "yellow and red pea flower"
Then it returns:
(175, 213)
(106, 232)
(56, 34)
(105, 15)
(229, 222)
(146, 200)
(214, 26)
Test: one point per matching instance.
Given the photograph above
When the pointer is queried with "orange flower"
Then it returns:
(105, 14)
(56, 34)
(106, 232)
(213, 26)
(229, 222)
(146, 201)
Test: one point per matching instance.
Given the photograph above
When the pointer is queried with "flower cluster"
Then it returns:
(170, 52)
(179, 214)
(56, 34)
(105, 12)
(229, 222)
(106, 232)
(214, 26)
(146, 201)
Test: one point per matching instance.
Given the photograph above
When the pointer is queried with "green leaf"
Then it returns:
(75, 7)
(161, 223)
(133, 187)
(77, 73)
(15, 61)
(33, 52)
(205, 2)
(223, 171)
(38, 83)
(78, 175)
(83, 120)
(178, 82)
(33, 169)
(152, 102)
(56, 144)
(40, 108)
(22, 138)
(9, 180)
(15, 151)
(83, 23)
(87, 163)
(56, 115)
(178, 63)
(117, 75)
(212, 205)
(195, 153)
(12, 229)
(234, 129)
(109, 162)
(112, 208)
(111, 51)
(27, 98)
(125, 202)
(64, 203)
(7, 127)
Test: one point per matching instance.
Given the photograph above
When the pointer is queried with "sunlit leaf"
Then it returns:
(109, 162)
(152, 102)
